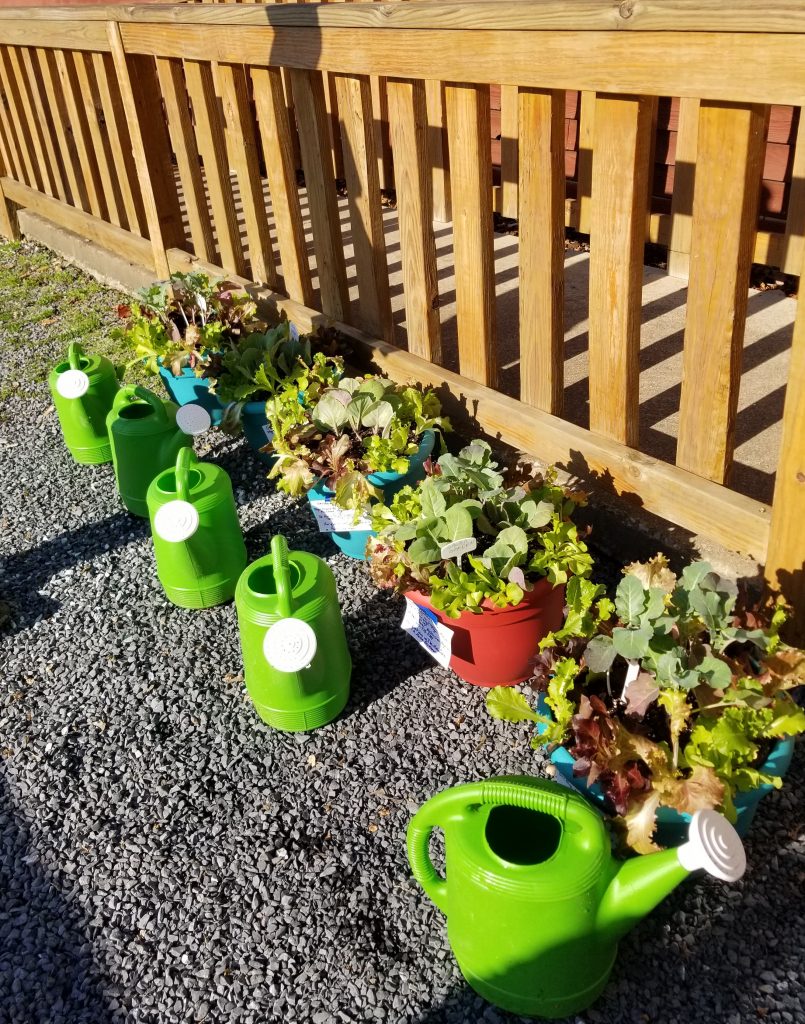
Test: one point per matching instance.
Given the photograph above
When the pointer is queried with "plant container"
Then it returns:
(497, 647)
(83, 389)
(672, 826)
(353, 542)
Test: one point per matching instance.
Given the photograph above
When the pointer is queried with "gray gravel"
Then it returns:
(165, 857)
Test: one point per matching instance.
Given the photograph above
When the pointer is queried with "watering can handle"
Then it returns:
(430, 816)
(184, 460)
(132, 392)
(282, 575)
(74, 354)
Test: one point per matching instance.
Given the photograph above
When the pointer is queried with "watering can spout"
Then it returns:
(641, 883)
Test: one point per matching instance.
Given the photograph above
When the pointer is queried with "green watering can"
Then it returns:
(535, 901)
(198, 545)
(295, 655)
(145, 440)
(83, 390)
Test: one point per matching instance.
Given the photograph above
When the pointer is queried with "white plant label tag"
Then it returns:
(72, 384)
(429, 633)
(457, 548)
(268, 432)
(332, 519)
(193, 419)
(632, 672)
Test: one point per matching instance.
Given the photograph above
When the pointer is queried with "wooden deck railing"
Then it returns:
(84, 142)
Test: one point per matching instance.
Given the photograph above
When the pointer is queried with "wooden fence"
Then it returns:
(83, 142)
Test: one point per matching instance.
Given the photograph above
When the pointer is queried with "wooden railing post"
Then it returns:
(785, 562)
(687, 139)
(141, 160)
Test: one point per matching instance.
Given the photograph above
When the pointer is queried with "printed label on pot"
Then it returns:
(332, 519)
(458, 547)
(268, 432)
(429, 633)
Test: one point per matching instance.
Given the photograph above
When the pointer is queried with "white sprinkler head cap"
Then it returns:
(176, 521)
(289, 645)
(714, 845)
(193, 419)
(72, 384)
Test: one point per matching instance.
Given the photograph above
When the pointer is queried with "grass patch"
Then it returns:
(46, 304)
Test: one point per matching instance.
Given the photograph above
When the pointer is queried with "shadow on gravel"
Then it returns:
(47, 971)
(24, 574)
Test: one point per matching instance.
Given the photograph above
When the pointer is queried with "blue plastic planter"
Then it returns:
(353, 542)
(672, 826)
(254, 419)
(189, 389)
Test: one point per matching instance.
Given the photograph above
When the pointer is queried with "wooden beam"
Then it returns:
(687, 137)
(437, 153)
(541, 132)
(468, 131)
(725, 205)
(509, 159)
(409, 140)
(665, 16)
(617, 232)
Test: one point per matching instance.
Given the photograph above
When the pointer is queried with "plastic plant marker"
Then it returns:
(535, 901)
(193, 419)
(428, 632)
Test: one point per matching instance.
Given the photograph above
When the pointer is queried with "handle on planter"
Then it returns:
(135, 393)
(282, 575)
(74, 354)
(184, 461)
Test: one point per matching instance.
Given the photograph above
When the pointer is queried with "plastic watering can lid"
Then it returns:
(714, 845)
(72, 384)
(176, 521)
(193, 419)
(289, 645)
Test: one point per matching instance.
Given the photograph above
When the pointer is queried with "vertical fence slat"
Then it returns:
(242, 150)
(156, 146)
(409, 138)
(437, 150)
(542, 247)
(725, 203)
(14, 166)
(45, 118)
(785, 562)
(380, 110)
(373, 310)
(88, 91)
(174, 94)
(278, 156)
(314, 142)
(212, 146)
(119, 141)
(508, 150)
(87, 170)
(54, 96)
(8, 213)
(684, 179)
(468, 133)
(34, 126)
(584, 164)
(795, 221)
(617, 233)
(19, 133)
(152, 215)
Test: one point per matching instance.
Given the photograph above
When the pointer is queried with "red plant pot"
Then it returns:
(498, 647)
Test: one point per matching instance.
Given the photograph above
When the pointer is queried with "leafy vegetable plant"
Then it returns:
(181, 321)
(346, 431)
(675, 701)
(510, 536)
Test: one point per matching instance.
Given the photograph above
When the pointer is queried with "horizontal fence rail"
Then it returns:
(172, 135)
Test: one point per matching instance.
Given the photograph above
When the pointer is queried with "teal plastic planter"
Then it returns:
(672, 826)
(353, 542)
